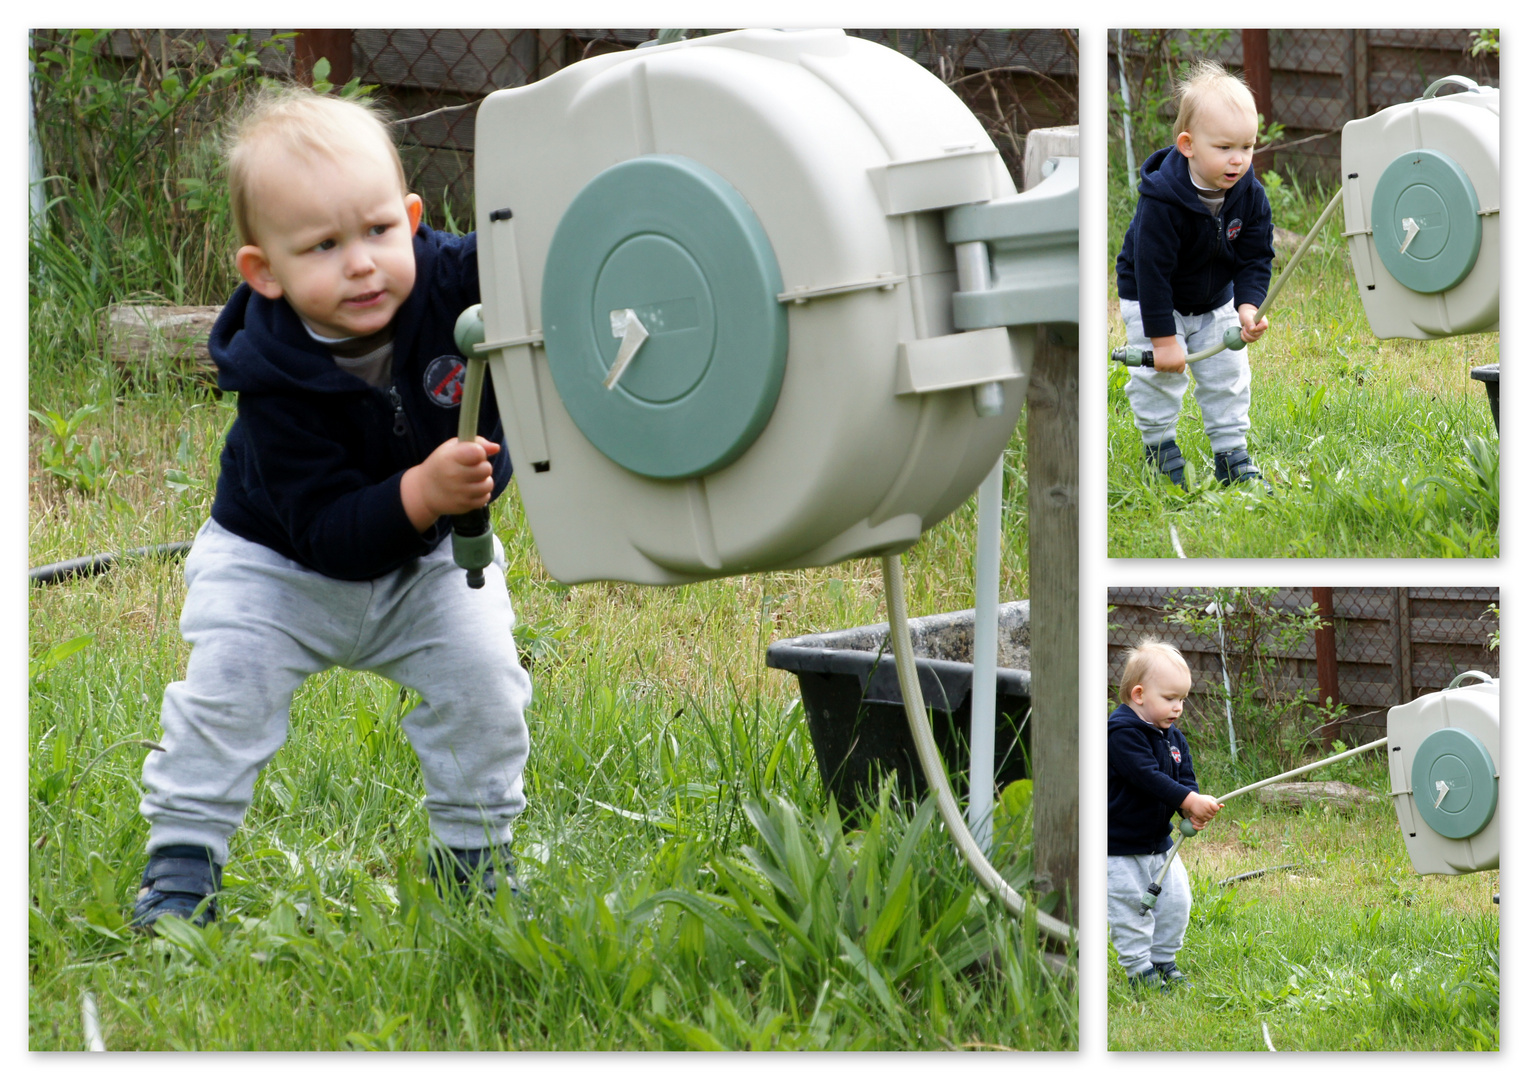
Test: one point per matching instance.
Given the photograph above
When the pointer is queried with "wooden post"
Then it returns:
(1326, 658)
(312, 46)
(1257, 69)
(1403, 641)
(1360, 74)
(1051, 461)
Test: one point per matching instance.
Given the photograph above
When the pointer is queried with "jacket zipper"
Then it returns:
(400, 422)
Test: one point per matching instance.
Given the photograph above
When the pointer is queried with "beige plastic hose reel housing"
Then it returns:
(1422, 201)
(722, 309)
(1444, 777)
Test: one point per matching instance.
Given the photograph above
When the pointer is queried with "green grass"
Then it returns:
(1349, 950)
(1373, 448)
(687, 885)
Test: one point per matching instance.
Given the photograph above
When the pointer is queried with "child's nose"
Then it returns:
(358, 260)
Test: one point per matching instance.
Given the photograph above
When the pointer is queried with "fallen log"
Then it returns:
(1334, 793)
(135, 334)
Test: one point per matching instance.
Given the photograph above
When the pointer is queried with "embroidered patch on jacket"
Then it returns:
(1233, 228)
(1177, 757)
(443, 380)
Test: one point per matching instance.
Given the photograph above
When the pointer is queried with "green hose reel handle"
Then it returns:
(1233, 338)
(469, 331)
(1186, 827)
(472, 532)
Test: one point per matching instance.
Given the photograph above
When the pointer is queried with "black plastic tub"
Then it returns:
(1490, 374)
(854, 705)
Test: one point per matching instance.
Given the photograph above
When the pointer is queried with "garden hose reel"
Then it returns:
(755, 301)
(1445, 780)
(1422, 200)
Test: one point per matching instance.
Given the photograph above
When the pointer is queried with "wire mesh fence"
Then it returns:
(1312, 81)
(1387, 645)
(1014, 80)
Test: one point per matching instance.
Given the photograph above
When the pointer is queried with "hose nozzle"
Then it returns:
(1149, 900)
(1134, 356)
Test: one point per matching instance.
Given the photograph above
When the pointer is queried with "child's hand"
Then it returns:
(1199, 809)
(1169, 354)
(1250, 331)
(455, 478)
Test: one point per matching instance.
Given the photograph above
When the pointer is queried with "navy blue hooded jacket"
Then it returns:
(1150, 774)
(312, 465)
(1177, 256)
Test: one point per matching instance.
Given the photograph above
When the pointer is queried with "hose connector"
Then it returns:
(472, 543)
(1149, 900)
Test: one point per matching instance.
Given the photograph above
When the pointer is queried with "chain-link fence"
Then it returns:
(1386, 646)
(1313, 81)
(1014, 80)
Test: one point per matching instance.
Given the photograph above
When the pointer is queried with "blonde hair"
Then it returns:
(1209, 84)
(1149, 653)
(308, 124)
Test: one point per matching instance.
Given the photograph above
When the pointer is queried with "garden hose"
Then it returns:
(933, 767)
(472, 532)
(91, 565)
(1132, 356)
(1186, 829)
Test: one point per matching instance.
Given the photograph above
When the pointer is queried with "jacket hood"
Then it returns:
(252, 344)
(1165, 177)
(1125, 716)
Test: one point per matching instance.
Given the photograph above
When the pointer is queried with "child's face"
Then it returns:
(1219, 145)
(333, 236)
(1158, 698)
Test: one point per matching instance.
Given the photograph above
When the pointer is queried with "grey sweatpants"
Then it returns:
(259, 624)
(1155, 937)
(1222, 383)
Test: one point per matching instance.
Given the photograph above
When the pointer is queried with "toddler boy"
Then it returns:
(1150, 775)
(337, 481)
(1196, 262)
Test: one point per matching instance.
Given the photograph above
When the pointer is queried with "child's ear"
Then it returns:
(255, 268)
(1185, 144)
(1138, 694)
(414, 205)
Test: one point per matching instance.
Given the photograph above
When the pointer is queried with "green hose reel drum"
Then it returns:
(720, 304)
(1454, 781)
(1444, 749)
(1421, 196)
(667, 239)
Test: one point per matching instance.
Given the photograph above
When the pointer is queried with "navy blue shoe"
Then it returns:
(176, 881)
(1150, 979)
(465, 871)
(1168, 460)
(1235, 467)
(1172, 978)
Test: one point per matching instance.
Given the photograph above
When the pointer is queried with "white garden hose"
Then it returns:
(1186, 829)
(989, 527)
(933, 767)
